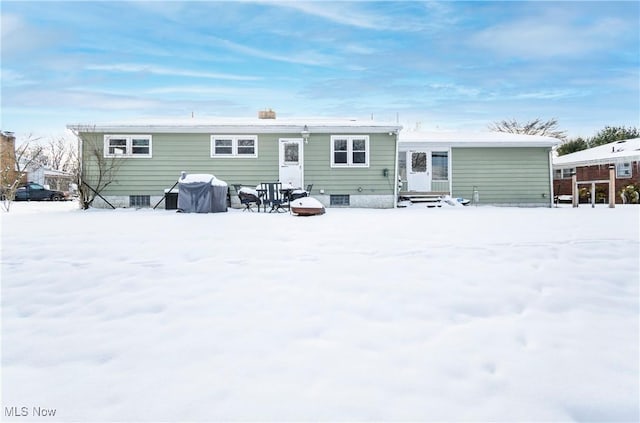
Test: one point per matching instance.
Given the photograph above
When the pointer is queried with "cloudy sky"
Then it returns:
(440, 65)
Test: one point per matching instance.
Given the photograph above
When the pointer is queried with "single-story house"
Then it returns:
(593, 165)
(52, 178)
(350, 163)
(500, 168)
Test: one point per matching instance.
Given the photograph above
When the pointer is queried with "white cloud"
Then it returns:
(339, 12)
(17, 36)
(12, 78)
(540, 38)
(549, 94)
(305, 58)
(160, 70)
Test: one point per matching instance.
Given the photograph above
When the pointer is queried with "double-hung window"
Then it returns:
(349, 151)
(234, 146)
(623, 170)
(563, 173)
(127, 146)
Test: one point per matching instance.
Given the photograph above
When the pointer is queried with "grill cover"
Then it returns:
(201, 193)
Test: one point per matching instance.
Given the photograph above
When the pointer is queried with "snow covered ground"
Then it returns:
(450, 314)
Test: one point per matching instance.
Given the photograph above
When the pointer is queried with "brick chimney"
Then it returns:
(8, 169)
(266, 114)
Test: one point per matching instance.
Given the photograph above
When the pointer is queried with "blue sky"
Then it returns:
(442, 65)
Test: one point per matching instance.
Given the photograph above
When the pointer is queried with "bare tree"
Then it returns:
(94, 171)
(537, 126)
(15, 161)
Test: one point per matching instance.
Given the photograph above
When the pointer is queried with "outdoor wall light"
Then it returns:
(305, 134)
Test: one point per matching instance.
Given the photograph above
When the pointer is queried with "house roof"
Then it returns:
(476, 139)
(613, 152)
(33, 166)
(239, 125)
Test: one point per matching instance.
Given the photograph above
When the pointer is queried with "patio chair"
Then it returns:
(248, 199)
(299, 193)
(274, 197)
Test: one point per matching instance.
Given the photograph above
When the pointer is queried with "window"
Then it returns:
(339, 200)
(349, 151)
(140, 146)
(291, 153)
(418, 161)
(234, 146)
(623, 170)
(440, 166)
(127, 145)
(139, 201)
(563, 173)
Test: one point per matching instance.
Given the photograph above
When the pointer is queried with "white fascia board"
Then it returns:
(595, 162)
(514, 144)
(408, 146)
(258, 129)
(471, 144)
(477, 139)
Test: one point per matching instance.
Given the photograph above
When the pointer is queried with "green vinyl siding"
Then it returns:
(174, 153)
(318, 170)
(518, 175)
(440, 186)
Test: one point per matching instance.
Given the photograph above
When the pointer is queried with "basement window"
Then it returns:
(139, 201)
(339, 200)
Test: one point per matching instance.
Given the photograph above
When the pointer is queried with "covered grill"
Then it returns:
(201, 193)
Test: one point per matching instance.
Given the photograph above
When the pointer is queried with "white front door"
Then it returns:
(291, 161)
(418, 171)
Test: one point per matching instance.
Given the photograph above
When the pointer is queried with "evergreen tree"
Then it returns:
(613, 133)
(572, 146)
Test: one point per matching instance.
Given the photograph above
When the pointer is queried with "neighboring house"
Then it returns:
(350, 163)
(593, 165)
(43, 175)
(502, 168)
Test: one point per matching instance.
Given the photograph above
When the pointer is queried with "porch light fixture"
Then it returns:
(305, 134)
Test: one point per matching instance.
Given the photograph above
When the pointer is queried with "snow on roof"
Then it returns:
(32, 166)
(477, 139)
(234, 124)
(613, 152)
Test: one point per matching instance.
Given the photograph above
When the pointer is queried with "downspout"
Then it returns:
(396, 174)
(76, 132)
(450, 170)
(551, 177)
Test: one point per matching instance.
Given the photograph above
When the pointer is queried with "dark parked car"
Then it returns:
(36, 192)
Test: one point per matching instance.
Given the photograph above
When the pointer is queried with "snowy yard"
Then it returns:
(458, 313)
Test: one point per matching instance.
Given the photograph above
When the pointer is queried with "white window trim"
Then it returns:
(350, 139)
(129, 147)
(564, 173)
(619, 167)
(448, 153)
(234, 146)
